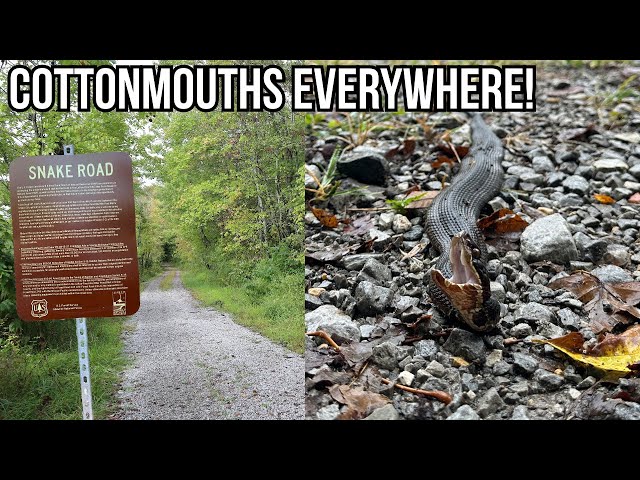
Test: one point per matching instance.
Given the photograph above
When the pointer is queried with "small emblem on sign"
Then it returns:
(39, 308)
(119, 303)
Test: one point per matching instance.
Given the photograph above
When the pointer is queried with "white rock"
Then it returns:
(406, 378)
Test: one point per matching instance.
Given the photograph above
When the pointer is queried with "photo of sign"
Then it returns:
(74, 236)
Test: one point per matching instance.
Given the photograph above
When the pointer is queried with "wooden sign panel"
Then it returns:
(74, 236)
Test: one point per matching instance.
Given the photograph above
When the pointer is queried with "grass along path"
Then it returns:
(277, 313)
(41, 381)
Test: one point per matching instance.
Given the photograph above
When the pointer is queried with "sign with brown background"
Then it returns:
(74, 236)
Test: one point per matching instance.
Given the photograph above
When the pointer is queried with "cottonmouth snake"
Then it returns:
(459, 283)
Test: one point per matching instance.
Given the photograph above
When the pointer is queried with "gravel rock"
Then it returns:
(521, 330)
(576, 184)
(520, 412)
(532, 311)
(548, 238)
(427, 349)
(401, 224)
(328, 412)
(385, 221)
(525, 363)
(493, 358)
(333, 321)
(490, 403)
(375, 272)
(542, 164)
(612, 274)
(464, 412)
(607, 165)
(309, 182)
(311, 302)
(568, 319)
(414, 234)
(548, 381)
(497, 291)
(365, 165)
(388, 412)
(617, 255)
(356, 262)
(372, 299)
(406, 378)
(586, 383)
(384, 355)
(467, 345)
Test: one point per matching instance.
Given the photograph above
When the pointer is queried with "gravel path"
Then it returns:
(191, 362)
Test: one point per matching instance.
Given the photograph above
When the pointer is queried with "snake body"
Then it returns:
(458, 284)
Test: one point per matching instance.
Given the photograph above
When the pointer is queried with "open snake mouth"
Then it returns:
(464, 287)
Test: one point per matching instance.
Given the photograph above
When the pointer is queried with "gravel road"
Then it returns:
(192, 362)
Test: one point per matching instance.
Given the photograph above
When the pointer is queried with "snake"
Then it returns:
(458, 283)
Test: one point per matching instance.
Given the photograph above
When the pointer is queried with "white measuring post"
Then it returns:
(83, 351)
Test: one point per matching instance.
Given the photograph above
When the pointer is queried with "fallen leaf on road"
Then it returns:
(327, 219)
(607, 303)
(614, 353)
(425, 199)
(502, 221)
(602, 198)
(359, 402)
(359, 226)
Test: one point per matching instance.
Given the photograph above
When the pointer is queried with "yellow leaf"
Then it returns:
(602, 198)
(614, 353)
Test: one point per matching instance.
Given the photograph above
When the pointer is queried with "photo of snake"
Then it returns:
(477, 265)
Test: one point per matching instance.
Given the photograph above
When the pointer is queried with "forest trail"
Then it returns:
(193, 362)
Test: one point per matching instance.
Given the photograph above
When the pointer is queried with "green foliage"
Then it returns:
(265, 297)
(7, 279)
(39, 379)
(624, 91)
(400, 206)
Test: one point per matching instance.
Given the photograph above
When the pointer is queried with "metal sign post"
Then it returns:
(83, 351)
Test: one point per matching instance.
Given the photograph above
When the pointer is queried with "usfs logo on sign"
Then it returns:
(39, 308)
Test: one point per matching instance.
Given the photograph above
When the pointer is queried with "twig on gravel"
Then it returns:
(370, 209)
(444, 397)
(325, 336)
(455, 152)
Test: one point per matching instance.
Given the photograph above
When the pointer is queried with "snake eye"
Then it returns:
(475, 252)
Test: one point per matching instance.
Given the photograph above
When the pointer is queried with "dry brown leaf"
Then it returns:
(614, 353)
(607, 303)
(448, 150)
(327, 219)
(602, 198)
(359, 226)
(426, 199)
(441, 160)
(502, 221)
(407, 148)
(359, 402)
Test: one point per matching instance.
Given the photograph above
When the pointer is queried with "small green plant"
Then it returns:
(328, 186)
(624, 91)
(400, 206)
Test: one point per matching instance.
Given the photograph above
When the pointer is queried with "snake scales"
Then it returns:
(459, 284)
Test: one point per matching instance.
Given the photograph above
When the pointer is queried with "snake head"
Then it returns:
(468, 291)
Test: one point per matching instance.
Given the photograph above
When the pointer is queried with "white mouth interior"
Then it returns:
(460, 257)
